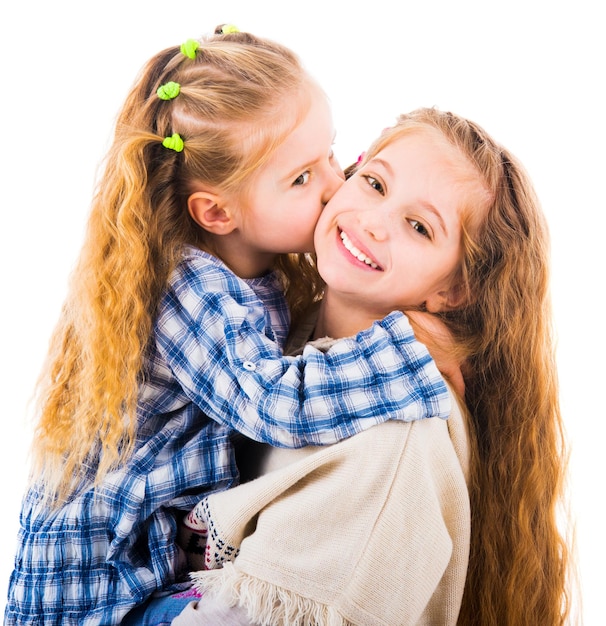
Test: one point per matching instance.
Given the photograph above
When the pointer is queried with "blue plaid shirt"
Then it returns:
(215, 369)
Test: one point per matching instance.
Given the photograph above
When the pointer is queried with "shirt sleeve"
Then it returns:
(215, 343)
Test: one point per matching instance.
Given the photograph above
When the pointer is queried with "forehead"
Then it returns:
(311, 135)
(425, 154)
(427, 147)
(314, 116)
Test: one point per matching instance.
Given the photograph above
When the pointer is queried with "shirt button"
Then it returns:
(250, 366)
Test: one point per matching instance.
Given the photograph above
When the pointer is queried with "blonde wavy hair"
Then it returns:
(520, 565)
(239, 98)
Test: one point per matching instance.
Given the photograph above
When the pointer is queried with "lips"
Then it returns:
(355, 252)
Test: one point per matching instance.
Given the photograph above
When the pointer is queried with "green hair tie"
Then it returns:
(226, 29)
(174, 142)
(168, 91)
(189, 48)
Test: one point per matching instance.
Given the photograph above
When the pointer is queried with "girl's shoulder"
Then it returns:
(201, 271)
(202, 274)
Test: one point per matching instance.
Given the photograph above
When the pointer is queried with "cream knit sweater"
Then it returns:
(370, 531)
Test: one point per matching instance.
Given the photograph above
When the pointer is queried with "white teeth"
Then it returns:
(355, 252)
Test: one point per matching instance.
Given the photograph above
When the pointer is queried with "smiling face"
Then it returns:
(390, 238)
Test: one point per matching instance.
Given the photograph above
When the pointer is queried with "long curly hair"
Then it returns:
(520, 564)
(240, 96)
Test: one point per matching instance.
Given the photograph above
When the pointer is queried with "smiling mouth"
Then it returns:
(358, 254)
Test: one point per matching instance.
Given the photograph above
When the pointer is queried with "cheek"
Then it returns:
(336, 207)
(302, 221)
(324, 250)
(299, 229)
(454, 261)
(322, 221)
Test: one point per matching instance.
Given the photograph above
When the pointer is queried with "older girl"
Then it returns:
(427, 522)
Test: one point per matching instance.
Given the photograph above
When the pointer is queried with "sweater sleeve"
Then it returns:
(216, 343)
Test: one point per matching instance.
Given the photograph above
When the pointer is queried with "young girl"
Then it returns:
(170, 338)
(426, 522)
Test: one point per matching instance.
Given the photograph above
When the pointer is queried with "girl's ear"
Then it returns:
(446, 300)
(208, 210)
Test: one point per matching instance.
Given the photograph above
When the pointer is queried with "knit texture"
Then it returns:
(370, 531)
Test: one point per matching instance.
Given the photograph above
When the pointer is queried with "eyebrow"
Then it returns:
(298, 170)
(426, 205)
(306, 165)
(432, 209)
(385, 164)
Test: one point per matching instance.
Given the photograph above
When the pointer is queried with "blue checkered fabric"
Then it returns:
(215, 369)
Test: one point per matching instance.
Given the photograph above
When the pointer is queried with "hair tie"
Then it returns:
(174, 142)
(168, 91)
(226, 29)
(189, 48)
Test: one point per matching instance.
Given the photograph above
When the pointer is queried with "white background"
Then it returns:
(531, 72)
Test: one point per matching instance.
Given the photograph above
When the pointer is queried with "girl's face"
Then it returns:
(390, 238)
(288, 194)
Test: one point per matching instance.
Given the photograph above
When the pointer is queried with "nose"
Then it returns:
(373, 221)
(334, 179)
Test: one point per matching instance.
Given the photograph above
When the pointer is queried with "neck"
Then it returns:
(339, 317)
(240, 260)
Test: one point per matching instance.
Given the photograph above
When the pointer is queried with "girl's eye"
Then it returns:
(375, 184)
(419, 228)
(301, 179)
